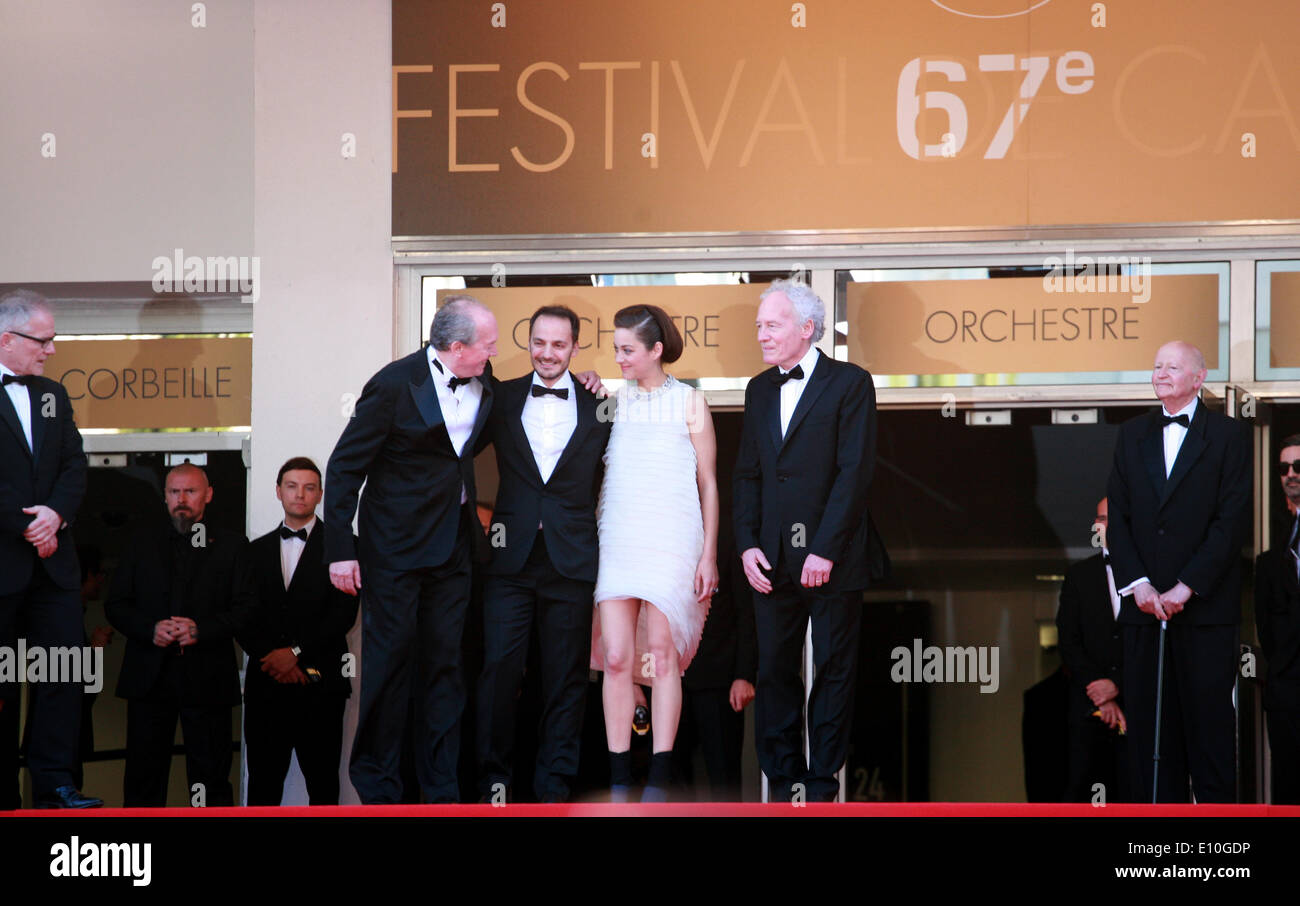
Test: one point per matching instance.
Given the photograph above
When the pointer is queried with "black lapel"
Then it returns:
(1194, 445)
(818, 381)
(1153, 452)
(313, 548)
(767, 407)
(10, 417)
(586, 401)
(514, 418)
(425, 394)
(484, 408)
(39, 421)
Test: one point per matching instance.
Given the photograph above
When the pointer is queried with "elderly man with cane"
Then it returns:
(1179, 506)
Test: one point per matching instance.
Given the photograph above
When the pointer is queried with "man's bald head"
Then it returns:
(1177, 375)
(188, 494)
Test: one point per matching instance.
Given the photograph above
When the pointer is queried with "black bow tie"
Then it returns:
(561, 392)
(286, 533)
(24, 379)
(794, 374)
(1183, 420)
(454, 382)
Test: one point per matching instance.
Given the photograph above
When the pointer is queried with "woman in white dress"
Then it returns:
(658, 528)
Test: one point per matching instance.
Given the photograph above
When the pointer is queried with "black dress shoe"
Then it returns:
(69, 797)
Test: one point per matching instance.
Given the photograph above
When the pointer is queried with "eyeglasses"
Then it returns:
(48, 341)
(1284, 467)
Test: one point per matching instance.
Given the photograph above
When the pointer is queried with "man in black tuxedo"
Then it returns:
(1277, 614)
(411, 442)
(181, 593)
(42, 481)
(549, 447)
(1179, 497)
(806, 457)
(1091, 649)
(294, 686)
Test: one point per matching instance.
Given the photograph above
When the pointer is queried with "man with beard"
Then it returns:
(181, 592)
(549, 442)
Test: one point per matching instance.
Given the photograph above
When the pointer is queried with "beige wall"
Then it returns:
(324, 322)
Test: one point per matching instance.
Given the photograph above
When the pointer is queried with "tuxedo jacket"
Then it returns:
(811, 486)
(218, 598)
(1188, 527)
(1087, 631)
(565, 504)
(1277, 614)
(52, 473)
(397, 444)
(311, 614)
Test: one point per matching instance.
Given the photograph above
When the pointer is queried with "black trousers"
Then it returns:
(1098, 755)
(562, 609)
(781, 618)
(49, 617)
(1198, 724)
(709, 724)
(1284, 741)
(412, 624)
(150, 731)
(282, 720)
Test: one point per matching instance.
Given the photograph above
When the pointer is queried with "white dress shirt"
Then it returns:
(793, 389)
(22, 401)
(291, 552)
(549, 422)
(1110, 584)
(459, 407)
(1174, 435)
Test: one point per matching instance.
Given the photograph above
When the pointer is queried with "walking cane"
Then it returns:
(1160, 689)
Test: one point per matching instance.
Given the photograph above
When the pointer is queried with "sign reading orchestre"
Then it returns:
(678, 116)
(169, 382)
(716, 322)
(1028, 325)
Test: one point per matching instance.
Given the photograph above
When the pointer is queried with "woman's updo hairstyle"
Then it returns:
(652, 325)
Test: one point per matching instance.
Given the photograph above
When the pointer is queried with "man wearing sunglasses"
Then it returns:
(42, 481)
(1277, 614)
(1179, 497)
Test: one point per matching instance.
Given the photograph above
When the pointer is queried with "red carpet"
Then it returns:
(706, 810)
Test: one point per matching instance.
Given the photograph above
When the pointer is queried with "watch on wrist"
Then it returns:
(297, 652)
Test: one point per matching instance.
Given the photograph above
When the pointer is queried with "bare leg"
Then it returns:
(618, 638)
(666, 706)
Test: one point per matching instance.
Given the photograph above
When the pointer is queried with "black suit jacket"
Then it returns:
(565, 504)
(816, 478)
(397, 444)
(220, 601)
(1188, 527)
(1277, 614)
(52, 473)
(311, 614)
(1087, 632)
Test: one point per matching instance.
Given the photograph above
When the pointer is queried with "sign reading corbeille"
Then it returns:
(170, 382)
(716, 323)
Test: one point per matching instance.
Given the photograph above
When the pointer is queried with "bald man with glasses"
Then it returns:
(42, 481)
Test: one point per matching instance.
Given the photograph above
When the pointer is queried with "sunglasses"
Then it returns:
(1284, 467)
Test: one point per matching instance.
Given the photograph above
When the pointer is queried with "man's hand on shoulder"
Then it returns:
(346, 576)
(591, 380)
